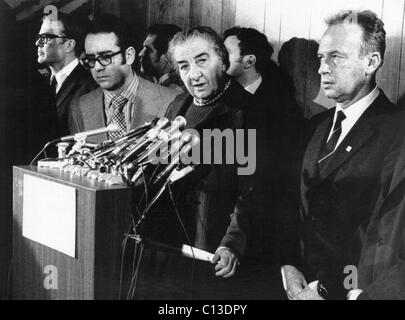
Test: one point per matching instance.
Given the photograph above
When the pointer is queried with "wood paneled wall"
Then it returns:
(293, 27)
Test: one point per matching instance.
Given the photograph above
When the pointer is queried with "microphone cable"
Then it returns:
(8, 285)
(145, 185)
(123, 248)
(87, 164)
(42, 150)
(132, 289)
(136, 260)
(135, 264)
(169, 189)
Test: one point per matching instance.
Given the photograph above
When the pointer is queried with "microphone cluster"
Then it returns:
(148, 155)
(148, 159)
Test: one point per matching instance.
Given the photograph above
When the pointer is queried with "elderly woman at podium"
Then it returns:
(201, 208)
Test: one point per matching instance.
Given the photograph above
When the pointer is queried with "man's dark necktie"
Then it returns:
(118, 103)
(53, 84)
(330, 145)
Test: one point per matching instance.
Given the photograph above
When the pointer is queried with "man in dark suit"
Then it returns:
(278, 127)
(123, 97)
(343, 160)
(249, 56)
(60, 43)
(251, 65)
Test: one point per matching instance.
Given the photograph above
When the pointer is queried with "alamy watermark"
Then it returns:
(350, 282)
(213, 146)
(51, 277)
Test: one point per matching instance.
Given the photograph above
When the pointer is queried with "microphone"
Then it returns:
(134, 133)
(137, 137)
(178, 174)
(148, 137)
(146, 156)
(126, 140)
(171, 133)
(188, 141)
(112, 127)
(115, 153)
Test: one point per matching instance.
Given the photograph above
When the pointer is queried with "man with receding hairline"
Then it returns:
(341, 173)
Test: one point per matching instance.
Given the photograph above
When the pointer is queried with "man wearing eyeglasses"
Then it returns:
(123, 97)
(59, 44)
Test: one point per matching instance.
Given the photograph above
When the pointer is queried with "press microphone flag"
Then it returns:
(113, 127)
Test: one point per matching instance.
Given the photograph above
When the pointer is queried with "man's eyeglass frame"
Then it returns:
(90, 62)
(45, 38)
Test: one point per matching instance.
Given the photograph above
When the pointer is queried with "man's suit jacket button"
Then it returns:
(380, 242)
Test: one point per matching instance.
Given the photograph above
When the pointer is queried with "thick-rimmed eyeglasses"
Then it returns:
(104, 60)
(45, 38)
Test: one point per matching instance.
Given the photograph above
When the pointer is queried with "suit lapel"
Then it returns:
(144, 98)
(310, 168)
(144, 90)
(67, 89)
(94, 115)
(351, 144)
(357, 137)
(313, 151)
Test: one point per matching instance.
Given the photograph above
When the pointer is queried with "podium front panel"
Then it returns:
(102, 218)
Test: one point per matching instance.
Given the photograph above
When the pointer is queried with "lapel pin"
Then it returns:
(349, 148)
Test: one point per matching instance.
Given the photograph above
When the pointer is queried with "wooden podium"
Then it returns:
(102, 218)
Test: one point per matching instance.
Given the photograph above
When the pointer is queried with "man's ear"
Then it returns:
(251, 59)
(374, 62)
(130, 54)
(70, 45)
